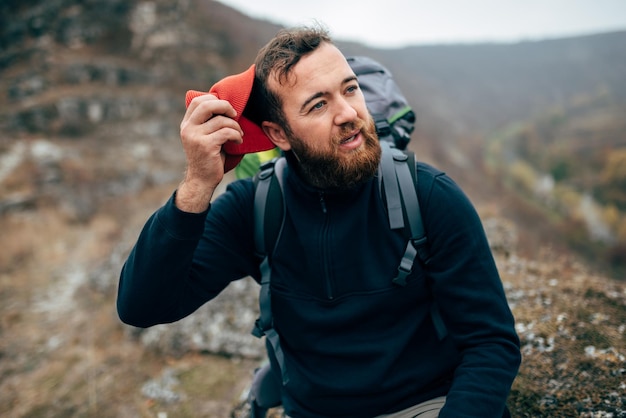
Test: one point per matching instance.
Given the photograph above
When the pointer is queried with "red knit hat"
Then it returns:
(236, 90)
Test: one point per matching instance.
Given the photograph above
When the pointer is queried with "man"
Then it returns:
(353, 343)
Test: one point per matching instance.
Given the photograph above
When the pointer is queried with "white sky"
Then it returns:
(394, 23)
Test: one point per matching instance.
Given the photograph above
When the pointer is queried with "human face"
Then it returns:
(328, 127)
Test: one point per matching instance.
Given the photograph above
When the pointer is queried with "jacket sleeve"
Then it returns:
(469, 293)
(182, 260)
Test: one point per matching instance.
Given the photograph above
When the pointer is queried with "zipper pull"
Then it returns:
(322, 203)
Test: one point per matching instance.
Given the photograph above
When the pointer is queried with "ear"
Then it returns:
(276, 134)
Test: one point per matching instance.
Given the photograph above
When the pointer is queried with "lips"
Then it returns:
(350, 138)
(345, 141)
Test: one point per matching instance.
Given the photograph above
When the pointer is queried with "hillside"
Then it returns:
(570, 163)
(91, 96)
(487, 86)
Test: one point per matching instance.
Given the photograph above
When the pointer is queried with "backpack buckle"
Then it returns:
(258, 330)
(404, 268)
(418, 242)
(383, 128)
(266, 170)
(403, 273)
(420, 245)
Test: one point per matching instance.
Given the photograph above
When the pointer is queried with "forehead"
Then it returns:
(321, 70)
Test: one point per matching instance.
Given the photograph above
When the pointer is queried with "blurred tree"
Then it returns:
(613, 178)
(523, 176)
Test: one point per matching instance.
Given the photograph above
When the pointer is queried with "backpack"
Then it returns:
(393, 116)
(397, 178)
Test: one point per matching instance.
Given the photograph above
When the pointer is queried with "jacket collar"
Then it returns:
(293, 177)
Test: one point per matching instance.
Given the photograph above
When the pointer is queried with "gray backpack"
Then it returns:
(394, 117)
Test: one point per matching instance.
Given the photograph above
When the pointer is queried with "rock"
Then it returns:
(162, 389)
(221, 326)
(502, 236)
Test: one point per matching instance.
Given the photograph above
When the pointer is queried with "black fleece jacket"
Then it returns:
(355, 344)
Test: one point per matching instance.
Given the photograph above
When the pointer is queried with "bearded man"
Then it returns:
(351, 343)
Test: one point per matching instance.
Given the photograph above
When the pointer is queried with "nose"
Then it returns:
(345, 112)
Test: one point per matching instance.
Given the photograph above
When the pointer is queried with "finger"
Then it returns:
(203, 108)
(192, 131)
(203, 139)
(193, 100)
(220, 137)
(225, 126)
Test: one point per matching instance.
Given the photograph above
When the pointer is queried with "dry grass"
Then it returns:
(573, 330)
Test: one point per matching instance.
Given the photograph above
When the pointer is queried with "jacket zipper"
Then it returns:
(323, 203)
(324, 248)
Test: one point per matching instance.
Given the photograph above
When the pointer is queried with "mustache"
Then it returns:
(349, 127)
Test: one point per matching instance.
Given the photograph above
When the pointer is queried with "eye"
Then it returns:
(352, 88)
(319, 105)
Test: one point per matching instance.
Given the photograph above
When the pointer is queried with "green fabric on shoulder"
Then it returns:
(250, 163)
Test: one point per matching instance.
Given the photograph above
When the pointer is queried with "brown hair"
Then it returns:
(277, 59)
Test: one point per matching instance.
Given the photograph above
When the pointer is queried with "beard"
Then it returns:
(333, 169)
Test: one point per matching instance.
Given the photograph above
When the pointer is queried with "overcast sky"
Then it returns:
(393, 23)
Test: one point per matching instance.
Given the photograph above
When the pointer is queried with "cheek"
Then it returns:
(363, 113)
(315, 134)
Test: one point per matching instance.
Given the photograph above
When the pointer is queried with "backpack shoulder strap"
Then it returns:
(269, 207)
(398, 177)
(269, 215)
